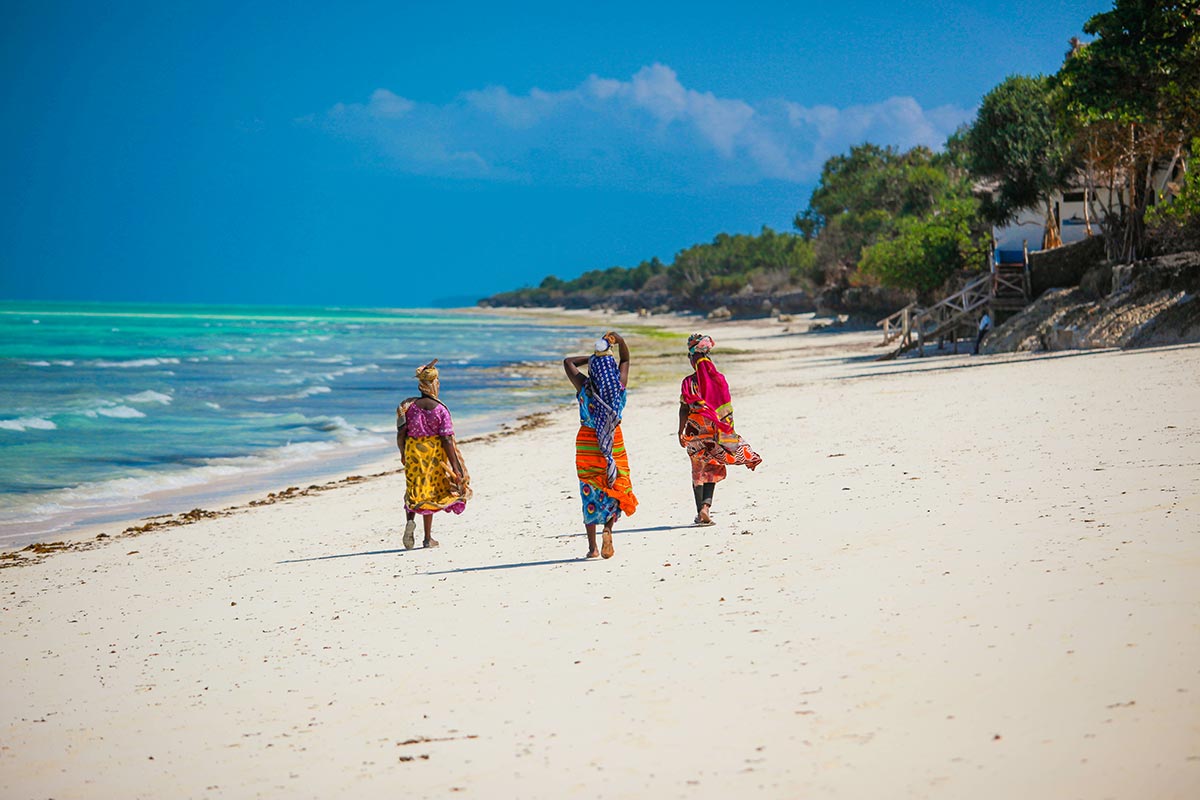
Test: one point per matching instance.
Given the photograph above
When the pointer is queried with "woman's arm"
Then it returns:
(622, 353)
(402, 426)
(683, 415)
(571, 365)
(452, 454)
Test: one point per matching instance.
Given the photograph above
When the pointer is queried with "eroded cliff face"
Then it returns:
(1151, 302)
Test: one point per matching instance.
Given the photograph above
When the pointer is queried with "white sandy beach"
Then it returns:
(952, 577)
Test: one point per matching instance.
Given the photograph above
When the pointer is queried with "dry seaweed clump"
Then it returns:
(528, 422)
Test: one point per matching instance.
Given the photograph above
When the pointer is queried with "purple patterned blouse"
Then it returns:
(434, 422)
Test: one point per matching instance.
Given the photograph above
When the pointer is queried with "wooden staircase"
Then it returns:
(1002, 292)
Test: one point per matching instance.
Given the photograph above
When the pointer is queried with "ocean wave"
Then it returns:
(300, 395)
(27, 424)
(118, 412)
(61, 507)
(55, 363)
(149, 396)
(132, 363)
(336, 425)
(337, 373)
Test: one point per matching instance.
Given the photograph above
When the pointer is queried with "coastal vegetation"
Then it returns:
(884, 224)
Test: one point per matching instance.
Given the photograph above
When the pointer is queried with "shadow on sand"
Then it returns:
(513, 566)
(398, 551)
(628, 530)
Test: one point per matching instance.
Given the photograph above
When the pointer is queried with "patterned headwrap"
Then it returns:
(699, 344)
(605, 398)
(427, 379)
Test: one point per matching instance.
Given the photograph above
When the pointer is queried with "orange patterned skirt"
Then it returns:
(592, 468)
(710, 449)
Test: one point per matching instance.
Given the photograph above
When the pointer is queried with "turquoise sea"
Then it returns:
(109, 411)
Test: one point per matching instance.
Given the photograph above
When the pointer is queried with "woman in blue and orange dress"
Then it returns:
(601, 461)
(706, 427)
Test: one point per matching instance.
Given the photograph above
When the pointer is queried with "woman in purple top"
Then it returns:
(436, 477)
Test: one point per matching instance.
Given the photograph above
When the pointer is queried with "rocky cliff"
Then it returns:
(1151, 302)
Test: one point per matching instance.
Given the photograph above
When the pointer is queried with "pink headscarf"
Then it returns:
(708, 388)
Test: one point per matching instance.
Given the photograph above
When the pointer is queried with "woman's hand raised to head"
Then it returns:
(571, 365)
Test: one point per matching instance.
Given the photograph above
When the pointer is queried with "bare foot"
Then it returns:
(606, 548)
(431, 542)
(593, 553)
(409, 528)
(703, 518)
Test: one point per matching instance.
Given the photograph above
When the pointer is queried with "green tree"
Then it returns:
(926, 251)
(861, 196)
(1175, 222)
(1133, 97)
(1018, 142)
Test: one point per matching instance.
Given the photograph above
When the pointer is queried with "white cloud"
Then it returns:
(650, 130)
(386, 105)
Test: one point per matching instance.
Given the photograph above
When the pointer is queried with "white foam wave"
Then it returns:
(119, 412)
(27, 424)
(337, 373)
(63, 504)
(216, 406)
(37, 363)
(300, 395)
(136, 362)
(149, 396)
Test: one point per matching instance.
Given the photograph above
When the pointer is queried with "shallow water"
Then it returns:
(106, 405)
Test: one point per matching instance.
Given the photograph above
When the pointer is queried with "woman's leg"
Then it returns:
(705, 494)
(593, 550)
(428, 521)
(606, 545)
(698, 491)
(409, 528)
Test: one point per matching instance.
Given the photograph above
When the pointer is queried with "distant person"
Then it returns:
(601, 461)
(435, 475)
(985, 324)
(706, 427)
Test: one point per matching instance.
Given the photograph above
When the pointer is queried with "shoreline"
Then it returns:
(217, 497)
(96, 534)
(231, 479)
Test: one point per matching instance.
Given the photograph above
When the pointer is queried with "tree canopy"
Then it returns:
(1018, 141)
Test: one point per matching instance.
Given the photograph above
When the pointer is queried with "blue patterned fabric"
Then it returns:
(598, 507)
(606, 401)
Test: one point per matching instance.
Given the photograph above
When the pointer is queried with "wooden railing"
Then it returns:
(898, 325)
(1003, 286)
(956, 310)
(913, 325)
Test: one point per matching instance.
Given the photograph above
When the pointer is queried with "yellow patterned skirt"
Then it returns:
(432, 484)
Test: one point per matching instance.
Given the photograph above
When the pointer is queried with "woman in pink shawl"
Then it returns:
(706, 426)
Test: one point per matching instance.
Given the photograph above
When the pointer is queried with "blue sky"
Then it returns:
(407, 154)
